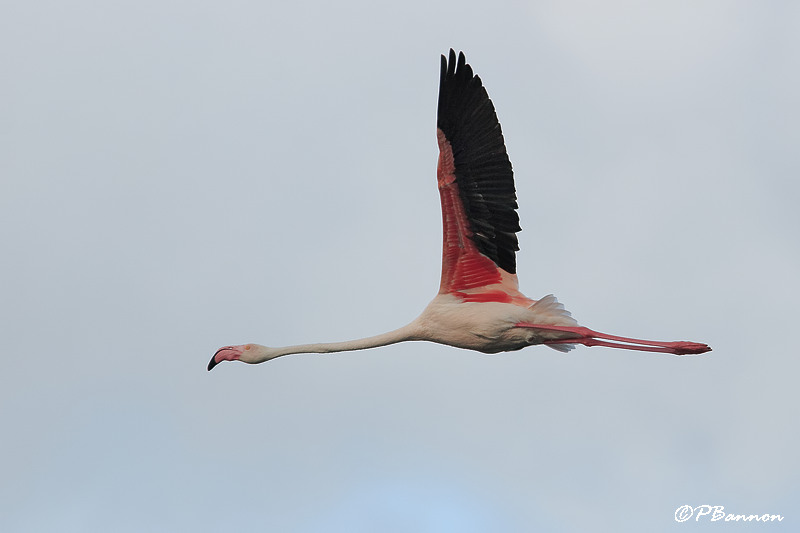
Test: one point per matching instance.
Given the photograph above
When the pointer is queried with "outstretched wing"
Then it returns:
(476, 185)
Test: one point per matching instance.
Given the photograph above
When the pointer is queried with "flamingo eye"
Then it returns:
(247, 347)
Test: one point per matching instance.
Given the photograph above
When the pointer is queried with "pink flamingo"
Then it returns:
(479, 305)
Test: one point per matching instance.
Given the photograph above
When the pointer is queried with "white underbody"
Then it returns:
(490, 327)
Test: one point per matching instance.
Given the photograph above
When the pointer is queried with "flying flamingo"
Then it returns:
(479, 305)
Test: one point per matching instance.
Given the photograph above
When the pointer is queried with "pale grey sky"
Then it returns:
(177, 176)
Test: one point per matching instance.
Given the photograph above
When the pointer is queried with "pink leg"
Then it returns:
(590, 337)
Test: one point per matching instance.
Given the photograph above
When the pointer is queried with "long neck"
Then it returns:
(406, 333)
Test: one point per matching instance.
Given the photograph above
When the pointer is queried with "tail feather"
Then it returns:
(563, 348)
(549, 310)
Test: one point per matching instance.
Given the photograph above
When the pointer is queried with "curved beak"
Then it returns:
(226, 353)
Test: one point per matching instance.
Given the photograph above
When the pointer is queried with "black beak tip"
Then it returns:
(212, 363)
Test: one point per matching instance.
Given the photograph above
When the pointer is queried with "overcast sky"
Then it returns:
(176, 176)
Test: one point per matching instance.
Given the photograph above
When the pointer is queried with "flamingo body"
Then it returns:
(492, 327)
(479, 306)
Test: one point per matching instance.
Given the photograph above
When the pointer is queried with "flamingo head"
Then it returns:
(248, 353)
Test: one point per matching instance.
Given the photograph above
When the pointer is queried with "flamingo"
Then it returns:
(479, 305)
